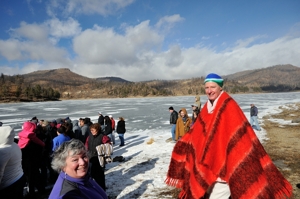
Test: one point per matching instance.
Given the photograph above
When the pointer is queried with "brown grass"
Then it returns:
(283, 145)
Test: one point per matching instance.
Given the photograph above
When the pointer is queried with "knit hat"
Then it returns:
(212, 77)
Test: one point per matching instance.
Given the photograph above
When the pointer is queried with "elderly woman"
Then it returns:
(71, 160)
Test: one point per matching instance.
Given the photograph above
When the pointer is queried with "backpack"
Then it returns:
(104, 153)
(118, 159)
(105, 139)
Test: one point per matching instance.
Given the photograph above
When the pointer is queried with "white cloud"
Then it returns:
(169, 20)
(205, 38)
(60, 29)
(173, 56)
(136, 54)
(101, 7)
(246, 42)
(15, 50)
(33, 31)
(105, 46)
(9, 49)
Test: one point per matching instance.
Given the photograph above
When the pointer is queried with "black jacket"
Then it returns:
(93, 141)
(173, 117)
(101, 120)
(121, 127)
(107, 129)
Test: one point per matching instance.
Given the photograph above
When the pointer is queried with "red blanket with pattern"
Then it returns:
(223, 144)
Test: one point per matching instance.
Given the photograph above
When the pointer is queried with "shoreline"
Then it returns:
(135, 97)
(283, 141)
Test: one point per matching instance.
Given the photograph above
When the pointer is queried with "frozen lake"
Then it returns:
(141, 114)
(143, 173)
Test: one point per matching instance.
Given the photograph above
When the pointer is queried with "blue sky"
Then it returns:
(148, 39)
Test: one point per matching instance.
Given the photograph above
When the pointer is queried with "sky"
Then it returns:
(140, 40)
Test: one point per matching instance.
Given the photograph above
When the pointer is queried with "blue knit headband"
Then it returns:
(212, 77)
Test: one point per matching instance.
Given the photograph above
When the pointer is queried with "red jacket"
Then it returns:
(113, 124)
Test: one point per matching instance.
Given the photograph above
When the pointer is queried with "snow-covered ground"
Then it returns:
(147, 156)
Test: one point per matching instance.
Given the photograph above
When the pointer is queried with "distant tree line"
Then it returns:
(129, 89)
(14, 88)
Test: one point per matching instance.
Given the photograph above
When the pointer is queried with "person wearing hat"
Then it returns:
(221, 156)
(173, 121)
(253, 117)
(12, 178)
(197, 104)
(101, 119)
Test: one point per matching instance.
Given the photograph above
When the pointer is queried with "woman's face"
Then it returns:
(94, 131)
(77, 165)
(182, 114)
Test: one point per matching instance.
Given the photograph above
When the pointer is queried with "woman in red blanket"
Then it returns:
(221, 157)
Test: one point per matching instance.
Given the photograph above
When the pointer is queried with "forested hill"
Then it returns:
(274, 79)
(65, 84)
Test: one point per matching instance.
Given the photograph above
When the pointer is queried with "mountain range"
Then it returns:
(70, 85)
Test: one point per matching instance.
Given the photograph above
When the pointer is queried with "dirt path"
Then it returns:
(283, 145)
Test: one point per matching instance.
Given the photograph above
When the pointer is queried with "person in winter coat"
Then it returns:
(71, 161)
(253, 117)
(77, 131)
(121, 130)
(108, 127)
(195, 115)
(61, 137)
(113, 124)
(95, 139)
(31, 147)
(100, 119)
(198, 102)
(183, 124)
(85, 130)
(173, 120)
(12, 179)
(27, 134)
(221, 156)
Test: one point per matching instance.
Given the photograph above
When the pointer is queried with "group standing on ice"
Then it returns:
(60, 151)
(216, 154)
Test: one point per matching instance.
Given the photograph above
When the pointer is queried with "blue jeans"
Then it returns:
(173, 129)
(112, 137)
(254, 121)
(121, 137)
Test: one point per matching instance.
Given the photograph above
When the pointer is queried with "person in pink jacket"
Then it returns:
(31, 147)
(27, 134)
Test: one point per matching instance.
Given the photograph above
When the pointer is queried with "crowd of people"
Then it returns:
(61, 151)
(217, 154)
(181, 122)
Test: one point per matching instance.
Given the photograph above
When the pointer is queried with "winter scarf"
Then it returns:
(223, 144)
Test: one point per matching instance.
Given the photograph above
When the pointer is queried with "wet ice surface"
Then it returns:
(143, 173)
